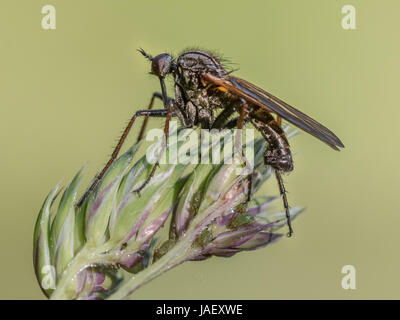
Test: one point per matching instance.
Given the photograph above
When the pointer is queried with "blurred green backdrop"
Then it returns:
(66, 94)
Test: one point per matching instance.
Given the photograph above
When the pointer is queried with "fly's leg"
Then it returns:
(240, 122)
(164, 145)
(147, 113)
(157, 95)
(283, 192)
(223, 118)
(232, 123)
(279, 120)
(169, 105)
(285, 201)
(146, 118)
(277, 155)
(243, 112)
(250, 177)
(222, 121)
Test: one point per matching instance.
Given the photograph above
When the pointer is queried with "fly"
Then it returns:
(202, 88)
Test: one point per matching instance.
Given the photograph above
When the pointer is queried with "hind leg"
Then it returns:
(285, 201)
(278, 156)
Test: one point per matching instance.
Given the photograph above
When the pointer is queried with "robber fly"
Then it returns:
(202, 87)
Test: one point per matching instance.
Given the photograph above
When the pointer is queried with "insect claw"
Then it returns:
(290, 232)
(137, 191)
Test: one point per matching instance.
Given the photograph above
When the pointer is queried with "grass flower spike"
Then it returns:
(117, 240)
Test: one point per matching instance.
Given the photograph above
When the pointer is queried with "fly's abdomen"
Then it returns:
(279, 158)
(278, 154)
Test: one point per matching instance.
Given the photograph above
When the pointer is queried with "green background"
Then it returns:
(66, 94)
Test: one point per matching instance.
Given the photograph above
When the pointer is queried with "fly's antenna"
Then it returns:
(147, 56)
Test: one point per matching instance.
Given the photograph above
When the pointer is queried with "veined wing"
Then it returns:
(264, 99)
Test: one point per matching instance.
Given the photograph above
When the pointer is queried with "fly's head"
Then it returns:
(188, 68)
(161, 65)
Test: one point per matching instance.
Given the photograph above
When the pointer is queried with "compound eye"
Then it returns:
(161, 65)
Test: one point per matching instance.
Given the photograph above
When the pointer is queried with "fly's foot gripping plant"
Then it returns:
(119, 240)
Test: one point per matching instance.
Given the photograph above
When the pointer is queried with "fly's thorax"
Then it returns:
(192, 64)
(199, 61)
(204, 97)
(190, 67)
(188, 80)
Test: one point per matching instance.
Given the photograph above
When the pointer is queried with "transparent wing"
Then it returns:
(260, 97)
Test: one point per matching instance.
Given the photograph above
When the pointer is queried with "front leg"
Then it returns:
(184, 110)
(164, 146)
(157, 95)
(148, 113)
